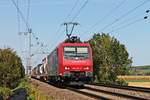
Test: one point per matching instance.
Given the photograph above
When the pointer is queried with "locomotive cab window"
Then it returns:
(82, 50)
(69, 50)
(78, 53)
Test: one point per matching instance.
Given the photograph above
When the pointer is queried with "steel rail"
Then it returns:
(88, 94)
(116, 94)
(76, 90)
(92, 95)
(133, 88)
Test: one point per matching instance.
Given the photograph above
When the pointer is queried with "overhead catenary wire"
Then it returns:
(21, 14)
(18, 17)
(108, 14)
(77, 14)
(19, 28)
(38, 42)
(68, 15)
(121, 26)
(129, 24)
(28, 66)
(25, 19)
(28, 12)
(79, 11)
(127, 20)
(40, 47)
(74, 6)
(124, 15)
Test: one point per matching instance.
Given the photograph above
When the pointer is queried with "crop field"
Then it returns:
(141, 81)
(140, 70)
(139, 84)
(135, 78)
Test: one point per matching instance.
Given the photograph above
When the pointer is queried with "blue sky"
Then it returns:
(46, 17)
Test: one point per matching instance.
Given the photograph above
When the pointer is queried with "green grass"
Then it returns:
(34, 93)
(4, 93)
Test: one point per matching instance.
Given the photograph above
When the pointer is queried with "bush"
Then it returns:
(11, 68)
(33, 92)
(117, 82)
(4, 93)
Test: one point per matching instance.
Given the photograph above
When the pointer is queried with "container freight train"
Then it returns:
(69, 63)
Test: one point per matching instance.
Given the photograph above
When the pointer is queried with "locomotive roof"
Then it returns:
(74, 44)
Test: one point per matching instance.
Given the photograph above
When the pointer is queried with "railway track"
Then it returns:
(87, 93)
(96, 91)
(105, 94)
(128, 92)
(133, 88)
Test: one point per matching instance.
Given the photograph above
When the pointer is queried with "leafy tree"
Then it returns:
(110, 58)
(11, 68)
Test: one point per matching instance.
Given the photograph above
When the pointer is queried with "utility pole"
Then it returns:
(29, 60)
(29, 53)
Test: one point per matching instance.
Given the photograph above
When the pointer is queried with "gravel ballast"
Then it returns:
(58, 93)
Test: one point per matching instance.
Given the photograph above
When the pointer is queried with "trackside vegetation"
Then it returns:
(11, 71)
(12, 78)
(110, 59)
(11, 68)
(32, 91)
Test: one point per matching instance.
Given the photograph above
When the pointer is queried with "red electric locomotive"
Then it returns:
(69, 63)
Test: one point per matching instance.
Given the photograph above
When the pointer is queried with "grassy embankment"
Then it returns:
(33, 92)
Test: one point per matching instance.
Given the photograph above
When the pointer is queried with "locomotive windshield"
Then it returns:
(78, 53)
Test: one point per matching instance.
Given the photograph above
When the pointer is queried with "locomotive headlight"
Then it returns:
(67, 68)
(86, 68)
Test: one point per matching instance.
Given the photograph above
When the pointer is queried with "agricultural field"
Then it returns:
(140, 70)
(140, 81)
(139, 84)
